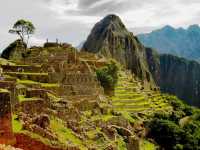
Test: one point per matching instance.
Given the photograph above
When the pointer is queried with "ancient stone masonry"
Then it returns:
(87, 79)
(6, 134)
(80, 84)
(31, 106)
(10, 86)
(21, 68)
(43, 77)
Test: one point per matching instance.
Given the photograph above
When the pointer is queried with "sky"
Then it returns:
(71, 20)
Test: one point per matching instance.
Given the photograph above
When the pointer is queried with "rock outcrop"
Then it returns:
(13, 51)
(110, 38)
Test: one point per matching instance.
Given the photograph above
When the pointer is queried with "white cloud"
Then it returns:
(71, 20)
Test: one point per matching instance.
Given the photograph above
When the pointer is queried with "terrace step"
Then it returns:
(131, 106)
(125, 101)
(139, 110)
(129, 96)
(38, 77)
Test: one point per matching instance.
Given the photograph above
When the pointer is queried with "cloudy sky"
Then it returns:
(71, 20)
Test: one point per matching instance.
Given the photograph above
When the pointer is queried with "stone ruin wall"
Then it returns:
(80, 84)
(10, 86)
(36, 106)
(20, 68)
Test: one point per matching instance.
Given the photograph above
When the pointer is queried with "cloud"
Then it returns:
(101, 9)
(72, 20)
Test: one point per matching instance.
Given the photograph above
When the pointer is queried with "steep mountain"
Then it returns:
(176, 75)
(180, 42)
(110, 38)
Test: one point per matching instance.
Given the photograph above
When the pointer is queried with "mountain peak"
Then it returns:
(168, 28)
(110, 38)
(194, 27)
(112, 22)
(112, 17)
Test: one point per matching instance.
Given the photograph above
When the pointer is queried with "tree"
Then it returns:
(24, 29)
(107, 75)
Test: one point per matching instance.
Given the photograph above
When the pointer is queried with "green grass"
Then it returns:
(22, 98)
(146, 145)
(53, 97)
(127, 116)
(141, 97)
(4, 91)
(16, 124)
(27, 82)
(5, 62)
(102, 117)
(49, 85)
(65, 134)
(121, 145)
(43, 85)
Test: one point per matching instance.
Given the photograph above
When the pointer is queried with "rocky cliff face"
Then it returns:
(110, 38)
(180, 42)
(181, 77)
(176, 75)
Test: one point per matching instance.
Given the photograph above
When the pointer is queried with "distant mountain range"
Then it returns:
(180, 42)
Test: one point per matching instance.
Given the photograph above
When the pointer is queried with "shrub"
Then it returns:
(166, 133)
(108, 75)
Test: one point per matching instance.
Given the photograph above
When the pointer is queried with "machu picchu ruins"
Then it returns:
(105, 95)
(57, 90)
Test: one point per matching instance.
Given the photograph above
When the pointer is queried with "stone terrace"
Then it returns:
(130, 96)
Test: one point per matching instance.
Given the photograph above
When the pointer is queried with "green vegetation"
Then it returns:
(5, 62)
(16, 124)
(65, 134)
(121, 145)
(4, 91)
(49, 85)
(102, 117)
(178, 130)
(127, 116)
(22, 98)
(146, 145)
(43, 85)
(108, 75)
(53, 97)
(23, 28)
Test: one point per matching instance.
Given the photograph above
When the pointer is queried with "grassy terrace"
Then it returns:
(4, 91)
(65, 134)
(27, 73)
(43, 85)
(128, 98)
(22, 98)
(92, 134)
